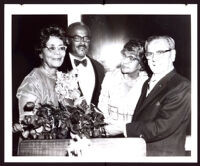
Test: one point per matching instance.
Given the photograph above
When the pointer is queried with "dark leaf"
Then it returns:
(29, 106)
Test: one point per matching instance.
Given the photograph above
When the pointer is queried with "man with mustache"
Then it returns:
(90, 72)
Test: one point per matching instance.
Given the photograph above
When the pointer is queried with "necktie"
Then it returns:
(151, 85)
(83, 62)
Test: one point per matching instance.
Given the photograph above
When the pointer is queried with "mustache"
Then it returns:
(82, 46)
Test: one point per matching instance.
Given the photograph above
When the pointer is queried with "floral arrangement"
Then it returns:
(67, 88)
(72, 115)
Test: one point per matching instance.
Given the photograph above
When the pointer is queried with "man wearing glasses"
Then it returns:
(90, 72)
(163, 111)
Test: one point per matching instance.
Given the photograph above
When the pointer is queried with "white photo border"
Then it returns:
(75, 11)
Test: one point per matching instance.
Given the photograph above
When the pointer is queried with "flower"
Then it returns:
(67, 87)
(72, 115)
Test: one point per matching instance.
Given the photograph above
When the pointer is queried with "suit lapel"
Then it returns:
(159, 87)
(99, 75)
(96, 80)
(155, 91)
(142, 97)
(67, 65)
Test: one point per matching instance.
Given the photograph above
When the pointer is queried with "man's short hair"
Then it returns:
(169, 40)
(75, 25)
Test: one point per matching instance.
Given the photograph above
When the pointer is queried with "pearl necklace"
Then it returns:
(48, 74)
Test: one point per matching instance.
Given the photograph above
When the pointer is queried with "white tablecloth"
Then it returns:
(101, 149)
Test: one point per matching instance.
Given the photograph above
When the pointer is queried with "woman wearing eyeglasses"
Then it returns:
(38, 85)
(121, 88)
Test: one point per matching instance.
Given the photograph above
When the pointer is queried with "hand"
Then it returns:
(26, 113)
(78, 145)
(75, 137)
(17, 127)
(114, 127)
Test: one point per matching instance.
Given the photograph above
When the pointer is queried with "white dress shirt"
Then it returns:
(155, 78)
(86, 77)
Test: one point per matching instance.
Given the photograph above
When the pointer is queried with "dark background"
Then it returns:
(25, 35)
(141, 27)
(26, 28)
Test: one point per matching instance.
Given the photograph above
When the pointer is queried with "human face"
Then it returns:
(54, 52)
(79, 48)
(130, 62)
(159, 55)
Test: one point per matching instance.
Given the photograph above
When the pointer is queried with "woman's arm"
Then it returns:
(28, 91)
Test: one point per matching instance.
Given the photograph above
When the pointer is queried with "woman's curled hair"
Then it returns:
(45, 34)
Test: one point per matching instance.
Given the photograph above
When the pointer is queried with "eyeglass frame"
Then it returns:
(56, 48)
(80, 38)
(159, 52)
(131, 58)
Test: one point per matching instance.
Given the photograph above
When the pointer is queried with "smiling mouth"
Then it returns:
(56, 59)
(82, 47)
(123, 66)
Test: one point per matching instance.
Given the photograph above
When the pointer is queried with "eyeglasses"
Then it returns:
(59, 48)
(77, 38)
(149, 55)
(130, 57)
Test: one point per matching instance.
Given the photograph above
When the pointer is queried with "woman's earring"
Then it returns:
(41, 56)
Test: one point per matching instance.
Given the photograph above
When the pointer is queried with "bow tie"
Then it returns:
(83, 62)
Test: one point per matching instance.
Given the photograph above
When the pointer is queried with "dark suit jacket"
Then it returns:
(162, 118)
(99, 75)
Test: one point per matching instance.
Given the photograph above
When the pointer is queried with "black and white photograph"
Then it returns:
(100, 83)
